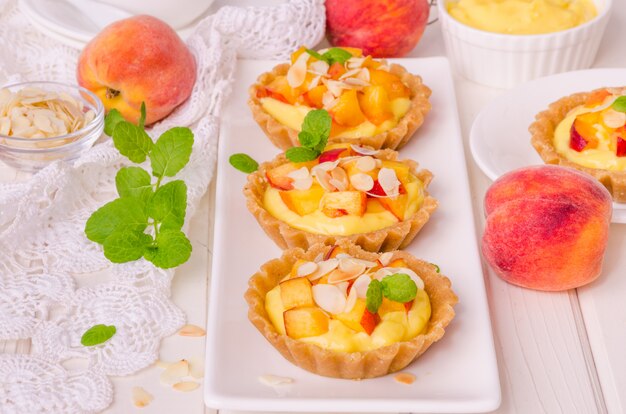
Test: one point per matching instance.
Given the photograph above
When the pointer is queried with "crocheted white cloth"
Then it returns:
(42, 242)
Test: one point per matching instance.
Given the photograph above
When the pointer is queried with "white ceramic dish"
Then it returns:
(504, 61)
(75, 22)
(499, 139)
(457, 374)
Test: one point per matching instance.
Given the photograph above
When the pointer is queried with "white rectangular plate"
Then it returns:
(457, 374)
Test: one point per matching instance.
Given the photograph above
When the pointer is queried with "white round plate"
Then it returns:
(75, 22)
(499, 139)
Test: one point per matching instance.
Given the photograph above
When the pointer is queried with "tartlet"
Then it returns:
(369, 363)
(347, 103)
(374, 212)
(573, 132)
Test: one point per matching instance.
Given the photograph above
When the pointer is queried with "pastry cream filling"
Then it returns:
(521, 17)
(393, 326)
(602, 157)
(376, 217)
(292, 116)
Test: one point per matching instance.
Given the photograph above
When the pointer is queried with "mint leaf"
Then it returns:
(399, 287)
(620, 104)
(113, 118)
(97, 335)
(142, 117)
(132, 141)
(122, 213)
(171, 152)
(133, 182)
(308, 139)
(316, 55)
(168, 205)
(336, 55)
(301, 154)
(317, 122)
(243, 162)
(374, 296)
(172, 249)
(125, 245)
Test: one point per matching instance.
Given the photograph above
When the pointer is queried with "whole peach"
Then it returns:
(135, 60)
(547, 227)
(381, 28)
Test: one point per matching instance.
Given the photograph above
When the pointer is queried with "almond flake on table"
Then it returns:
(274, 380)
(175, 372)
(141, 397)
(185, 386)
(404, 378)
(191, 330)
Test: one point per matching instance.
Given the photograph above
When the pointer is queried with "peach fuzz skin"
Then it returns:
(145, 61)
(381, 28)
(547, 228)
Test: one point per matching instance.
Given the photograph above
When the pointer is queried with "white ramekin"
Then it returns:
(503, 60)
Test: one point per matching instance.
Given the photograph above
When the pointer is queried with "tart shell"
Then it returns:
(284, 137)
(542, 131)
(396, 236)
(352, 365)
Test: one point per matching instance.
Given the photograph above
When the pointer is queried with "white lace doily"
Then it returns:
(42, 220)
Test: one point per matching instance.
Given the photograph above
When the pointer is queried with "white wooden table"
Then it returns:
(557, 352)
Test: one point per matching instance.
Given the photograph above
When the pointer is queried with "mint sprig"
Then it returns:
(120, 225)
(97, 334)
(332, 55)
(398, 287)
(619, 104)
(313, 137)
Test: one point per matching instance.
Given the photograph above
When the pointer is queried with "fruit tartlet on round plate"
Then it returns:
(348, 192)
(587, 131)
(371, 103)
(341, 312)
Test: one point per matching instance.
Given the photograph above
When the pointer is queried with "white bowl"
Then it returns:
(176, 13)
(504, 60)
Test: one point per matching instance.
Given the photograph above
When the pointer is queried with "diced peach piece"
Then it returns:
(402, 170)
(584, 126)
(397, 205)
(375, 104)
(390, 306)
(353, 318)
(392, 84)
(314, 96)
(369, 321)
(295, 55)
(281, 86)
(277, 177)
(347, 111)
(303, 202)
(296, 292)
(305, 322)
(336, 70)
(370, 63)
(342, 203)
(597, 97)
(398, 263)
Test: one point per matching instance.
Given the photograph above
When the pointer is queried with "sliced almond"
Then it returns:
(328, 100)
(175, 372)
(355, 62)
(350, 73)
(366, 263)
(356, 82)
(339, 179)
(329, 298)
(196, 368)
(385, 258)
(191, 330)
(366, 163)
(303, 184)
(334, 87)
(325, 166)
(360, 285)
(349, 265)
(364, 75)
(274, 380)
(141, 397)
(185, 386)
(351, 300)
(323, 268)
(297, 72)
(314, 82)
(299, 173)
(388, 181)
(319, 67)
(404, 378)
(363, 150)
(614, 119)
(306, 268)
(348, 272)
(324, 179)
(362, 182)
(319, 258)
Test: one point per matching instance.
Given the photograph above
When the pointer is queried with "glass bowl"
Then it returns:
(32, 154)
